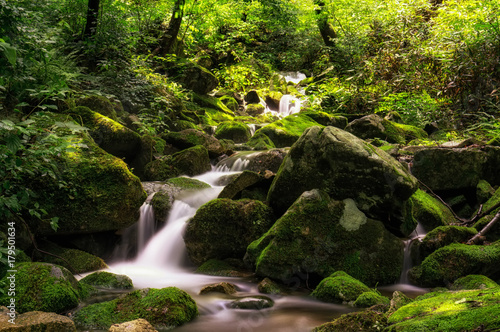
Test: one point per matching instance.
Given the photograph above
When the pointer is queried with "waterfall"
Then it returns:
(418, 234)
(252, 127)
(146, 225)
(289, 105)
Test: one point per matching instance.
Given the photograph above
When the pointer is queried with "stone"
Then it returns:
(137, 325)
(38, 321)
(236, 131)
(252, 97)
(221, 287)
(344, 166)
(252, 303)
(103, 279)
(339, 288)
(243, 181)
(191, 137)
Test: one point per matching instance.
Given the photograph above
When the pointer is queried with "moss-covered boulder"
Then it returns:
(163, 308)
(255, 109)
(161, 204)
(193, 76)
(215, 267)
(223, 228)
(102, 194)
(230, 102)
(456, 260)
(110, 135)
(366, 321)
(326, 119)
(38, 321)
(260, 141)
(287, 131)
(235, 131)
(319, 235)
(221, 287)
(103, 279)
(191, 137)
(467, 310)
(425, 209)
(473, 281)
(455, 168)
(244, 181)
(339, 288)
(373, 126)
(484, 191)
(267, 286)
(99, 104)
(76, 261)
(191, 161)
(345, 167)
(371, 298)
(42, 287)
(438, 238)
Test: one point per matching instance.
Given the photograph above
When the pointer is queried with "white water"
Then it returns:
(146, 225)
(417, 235)
(289, 105)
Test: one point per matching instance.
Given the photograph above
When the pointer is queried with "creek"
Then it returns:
(162, 262)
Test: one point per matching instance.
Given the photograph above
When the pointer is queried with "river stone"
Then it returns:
(252, 303)
(138, 325)
(318, 236)
(245, 181)
(221, 287)
(457, 168)
(38, 321)
(344, 166)
(223, 228)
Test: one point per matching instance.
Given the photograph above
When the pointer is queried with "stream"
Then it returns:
(162, 262)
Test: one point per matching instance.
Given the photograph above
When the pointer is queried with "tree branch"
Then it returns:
(485, 229)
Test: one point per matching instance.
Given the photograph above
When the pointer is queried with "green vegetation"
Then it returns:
(340, 287)
(105, 279)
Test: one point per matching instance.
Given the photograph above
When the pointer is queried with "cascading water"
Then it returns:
(146, 225)
(289, 105)
(417, 235)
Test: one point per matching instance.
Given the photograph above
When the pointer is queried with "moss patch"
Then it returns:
(235, 131)
(473, 281)
(371, 298)
(339, 288)
(105, 279)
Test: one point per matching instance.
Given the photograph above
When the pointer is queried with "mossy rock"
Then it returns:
(252, 303)
(163, 308)
(344, 166)
(467, 310)
(441, 237)
(484, 191)
(76, 261)
(99, 104)
(319, 235)
(136, 325)
(493, 234)
(267, 286)
(326, 119)
(185, 183)
(43, 287)
(216, 267)
(230, 102)
(260, 141)
(285, 132)
(339, 288)
(427, 210)
(255, 109)
(103, 279)
(99, 184)
(190, 137)
(223, 228)
(212, 117)
(235, 131)
(242, 182)
(371, 298)
(161, 203)
(366, 321)
(213, 103)
(221, 287)
(398, 300)
(36, 321)
(492, 202)
(473, 281)
(449, 263)
(110, 135)
(161, 169)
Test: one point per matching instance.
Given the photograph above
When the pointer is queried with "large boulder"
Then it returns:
(339, 288)
(101, 193)
(38, 321)
(136, 325)
(456, 260)
(318, 236)
(223, 228)
(42, 287)
(164, 308)
(191, 137)
(373, 126)
(235, 131)
(287, 131)
(457, 168)
(344, 166)
(110, 135)
(193, 77)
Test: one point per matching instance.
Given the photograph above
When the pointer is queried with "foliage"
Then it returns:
(29, 150)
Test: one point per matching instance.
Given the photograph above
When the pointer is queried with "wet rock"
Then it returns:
(221, 287)
(224, 268)
(339, 288)
(103, 279)
(252, 97)
(267, 286)
(367, 320)
(36, 321)
(345, 167)
(191, 137)
(246, 182)
(223, 228)
(252, 303)
(371, 298)
(398, 300)
(236, 131)
(318, 236)
(138, 325)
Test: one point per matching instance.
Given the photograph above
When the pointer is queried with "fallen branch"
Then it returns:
(485, 229)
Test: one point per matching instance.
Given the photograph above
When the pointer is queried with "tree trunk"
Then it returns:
(169, 38)
(325, 28)
(92, 15)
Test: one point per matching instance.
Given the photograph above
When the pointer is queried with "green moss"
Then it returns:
(367, 321)
(163, 308)
(230, 103)
(98, 104)
(473, 281)
(188, 183)
(213, 117)
(261, 141)
(255, 109)
(286, 131)
(267, 286)
(484, 191)
(401, 133)
(44, 287)
(236, 131)
(79, 261)
(161, 169)
(494, 200)
(371, 298)
(339, 288)
(457, 260)
(105, 279)
(450, 311)
(212, 103)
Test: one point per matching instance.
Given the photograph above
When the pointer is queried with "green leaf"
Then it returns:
(10, 52)
(13, 143)
(54, 223)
